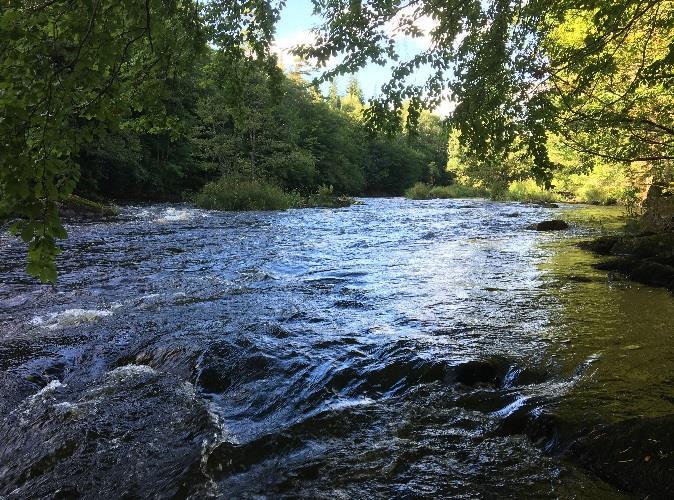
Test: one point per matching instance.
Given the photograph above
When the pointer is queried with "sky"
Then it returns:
(295, 26)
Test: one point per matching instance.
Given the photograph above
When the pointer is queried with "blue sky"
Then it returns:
(297, 20)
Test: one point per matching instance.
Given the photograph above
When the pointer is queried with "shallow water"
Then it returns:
(399, 348)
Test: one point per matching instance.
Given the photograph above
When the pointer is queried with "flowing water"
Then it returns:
(396, 349)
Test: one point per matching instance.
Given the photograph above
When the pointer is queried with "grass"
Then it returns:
(78, 205)
(529, 191)
(423, 191)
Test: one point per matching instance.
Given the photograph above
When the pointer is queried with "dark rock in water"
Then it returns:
(551, 225)
(645, 258)
(601, 245)
(513, 214)
(653, 273)
(480, 372)
(547, 205)
(636, 455)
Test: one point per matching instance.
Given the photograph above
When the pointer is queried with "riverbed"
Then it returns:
(393, 349)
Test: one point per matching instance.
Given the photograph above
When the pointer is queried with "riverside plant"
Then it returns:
(244, 194)
(251, 194)
(423, 191)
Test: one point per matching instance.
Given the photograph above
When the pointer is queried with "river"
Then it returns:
(395, 349)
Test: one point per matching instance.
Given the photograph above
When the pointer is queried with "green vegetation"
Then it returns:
(423, 191)
(77, 205)
(254, 194)
(592, 189)
(529, 191)
(325, 197)
(243, 194)
(531, 79)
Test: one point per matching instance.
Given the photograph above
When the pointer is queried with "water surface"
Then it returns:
(399, 348)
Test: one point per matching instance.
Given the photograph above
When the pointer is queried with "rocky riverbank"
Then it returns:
(644, 258)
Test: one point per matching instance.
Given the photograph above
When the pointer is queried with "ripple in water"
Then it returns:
(396, 349)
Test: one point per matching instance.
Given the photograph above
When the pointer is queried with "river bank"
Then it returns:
(644, 258)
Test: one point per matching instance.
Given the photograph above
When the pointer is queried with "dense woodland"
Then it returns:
(255, 128)
(154, 100)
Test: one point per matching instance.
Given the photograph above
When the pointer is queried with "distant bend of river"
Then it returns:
(395, 349)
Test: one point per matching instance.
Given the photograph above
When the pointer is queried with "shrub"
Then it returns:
(529, 191)
(422, 191)
(457, 191)
(598, 194)
(242, 194)
(326, 198)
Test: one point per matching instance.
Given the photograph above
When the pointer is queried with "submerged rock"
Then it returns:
(637, 455)
(550, 225)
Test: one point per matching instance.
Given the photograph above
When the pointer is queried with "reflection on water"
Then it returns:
(629, 330)
(394, 349)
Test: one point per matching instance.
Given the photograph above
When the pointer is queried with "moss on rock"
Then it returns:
(76, 206)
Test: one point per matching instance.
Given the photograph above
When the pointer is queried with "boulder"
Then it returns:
(550, 225)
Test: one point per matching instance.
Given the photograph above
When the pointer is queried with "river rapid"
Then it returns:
(396, 349)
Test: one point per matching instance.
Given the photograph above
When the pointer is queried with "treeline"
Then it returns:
(233, 119)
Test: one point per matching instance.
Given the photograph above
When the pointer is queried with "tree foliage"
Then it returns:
(60, 68)
(598, 74)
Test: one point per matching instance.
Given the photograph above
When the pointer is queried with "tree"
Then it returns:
(62, 64)
(60, 68)
(334, 99)
(513, 78)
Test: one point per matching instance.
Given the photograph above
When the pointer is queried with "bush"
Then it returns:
(422, 191)
(597, 194)
(529, 191)
(457, 191)
(241, 194)
(76, 205)
(326, 198)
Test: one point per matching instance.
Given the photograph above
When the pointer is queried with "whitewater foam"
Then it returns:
(174, 215)
(70, 317)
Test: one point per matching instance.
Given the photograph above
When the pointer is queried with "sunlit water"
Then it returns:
(396, 349)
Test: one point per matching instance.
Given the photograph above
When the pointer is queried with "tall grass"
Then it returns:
(243, 194)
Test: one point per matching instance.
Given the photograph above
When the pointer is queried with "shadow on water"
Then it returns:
(394, 349)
